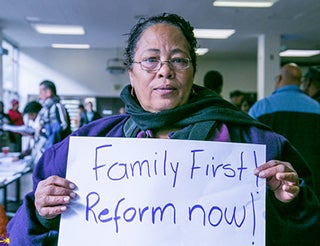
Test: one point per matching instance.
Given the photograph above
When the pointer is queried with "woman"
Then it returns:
(163, 102)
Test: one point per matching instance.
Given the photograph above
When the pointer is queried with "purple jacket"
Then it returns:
(296, 223)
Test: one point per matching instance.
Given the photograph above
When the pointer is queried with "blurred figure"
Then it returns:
(81, 109)
(236, 97)
(293, 114)
(4, 119)
(246, 103)
(54, 117)
(213, 80)
(88, 114)
(122, 110)
(311, 83)
(14, 113)
(17, 120)
(36, 141)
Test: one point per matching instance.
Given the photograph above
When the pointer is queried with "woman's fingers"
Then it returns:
(282, 179)
(53, 195)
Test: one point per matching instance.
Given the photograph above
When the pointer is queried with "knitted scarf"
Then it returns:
(196, 119)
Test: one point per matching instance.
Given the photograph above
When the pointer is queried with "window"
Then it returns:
(10, 73)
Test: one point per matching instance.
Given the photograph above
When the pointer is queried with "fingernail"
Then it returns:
(72, 186)
(66, 199)
(262, 174)
(73, 195)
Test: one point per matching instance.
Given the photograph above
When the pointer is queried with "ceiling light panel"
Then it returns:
(59, 29)
(244, 4)
(201, 51)
(299, 53)
(71, 46)
(213, 33)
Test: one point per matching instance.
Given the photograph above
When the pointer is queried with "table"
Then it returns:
(11, 172)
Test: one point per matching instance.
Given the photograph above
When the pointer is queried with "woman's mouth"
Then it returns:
(165, 90)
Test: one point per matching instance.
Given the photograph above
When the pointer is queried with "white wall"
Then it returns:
(238, 73)
(83, 72)
(75, 72)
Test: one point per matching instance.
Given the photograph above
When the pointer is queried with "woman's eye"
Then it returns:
(178, 60)
(151, 60)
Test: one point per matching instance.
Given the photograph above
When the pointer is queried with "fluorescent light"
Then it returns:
(299, 53)
(59, 29)
(202, 51)
(71, 46)
(248, 3)
(213, 33)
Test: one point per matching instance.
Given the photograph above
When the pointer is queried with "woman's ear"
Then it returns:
(131, 77)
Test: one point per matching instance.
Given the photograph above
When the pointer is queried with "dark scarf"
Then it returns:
(197, 118)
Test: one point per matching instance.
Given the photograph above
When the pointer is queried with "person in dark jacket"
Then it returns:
(295, 115)
(163, 102)
(88, 114)
(311, 83)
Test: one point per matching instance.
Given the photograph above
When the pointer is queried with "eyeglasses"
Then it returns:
(154, 64)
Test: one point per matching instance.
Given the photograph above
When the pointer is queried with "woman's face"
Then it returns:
(165, 88)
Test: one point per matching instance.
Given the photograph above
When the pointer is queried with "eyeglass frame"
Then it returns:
(161, 64)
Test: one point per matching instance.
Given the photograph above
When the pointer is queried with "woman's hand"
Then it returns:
(53, 195)
(282, 179)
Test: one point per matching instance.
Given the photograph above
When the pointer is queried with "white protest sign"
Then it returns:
(164, 192)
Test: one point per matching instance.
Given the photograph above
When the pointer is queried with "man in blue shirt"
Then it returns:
(293, 114)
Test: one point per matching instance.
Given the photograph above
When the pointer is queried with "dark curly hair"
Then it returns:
(171, 19)
(32, 107)
(49, 85)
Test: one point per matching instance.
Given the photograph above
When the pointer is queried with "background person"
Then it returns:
(36, 141)
(4, 135)
(88, 115)
(293, 114)
(162, 102)
(54, 117)
(236, 97)
(16, 120)
(81, 109)
(311, 83)
(4, 118)
(246, 103)
(122, 110)
(213, 80)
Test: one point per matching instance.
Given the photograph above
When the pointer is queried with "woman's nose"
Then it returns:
(166, 70)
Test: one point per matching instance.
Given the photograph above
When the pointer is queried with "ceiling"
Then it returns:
(107, 22)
